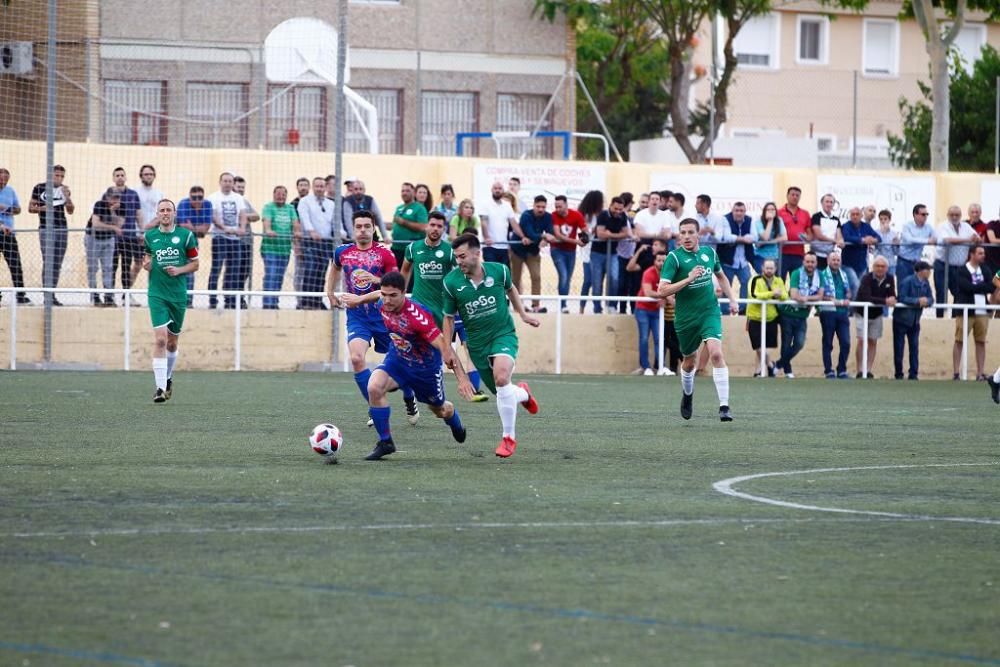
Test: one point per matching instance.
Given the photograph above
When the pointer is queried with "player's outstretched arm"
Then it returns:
(727, 289)
(515, 301)
(349, 300)
(332, 280)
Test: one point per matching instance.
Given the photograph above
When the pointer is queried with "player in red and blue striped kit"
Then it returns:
(414, 360)
(363, 263)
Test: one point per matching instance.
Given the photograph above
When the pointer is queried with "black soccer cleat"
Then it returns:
(160, 396)
(725, 414)
(412, 411)
(994, 389)
(382, 448)
(170, 388)
(459, 434)
(687, 403)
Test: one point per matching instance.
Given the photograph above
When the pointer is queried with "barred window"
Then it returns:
(443, 115)
(216, 105)
(521, 113)
(390, 122)
(297, 119)
(127, 112)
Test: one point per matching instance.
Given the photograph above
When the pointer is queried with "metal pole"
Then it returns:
(996, 133)
(237, 352)
(128, 331)
(965, 343)
(864, 343)
(338, 163)
(854, 130)
(50, 155)
(418, 83)
(763, 340)
(559, 341)
(13, 332)
(662, 324)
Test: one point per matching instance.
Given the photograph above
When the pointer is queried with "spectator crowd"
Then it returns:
(816, 264)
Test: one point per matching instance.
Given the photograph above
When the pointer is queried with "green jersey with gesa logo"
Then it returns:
(175, 248)
(697, 300)
(430, 265)
(484, 307)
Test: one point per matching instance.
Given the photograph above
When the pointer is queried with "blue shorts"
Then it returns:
(369, 330)
(427, 383)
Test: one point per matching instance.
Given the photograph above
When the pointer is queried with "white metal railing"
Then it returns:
(237, 327)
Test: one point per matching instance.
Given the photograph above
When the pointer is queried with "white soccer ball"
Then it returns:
(326, 440)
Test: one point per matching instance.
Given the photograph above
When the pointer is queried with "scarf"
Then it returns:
(830, 287)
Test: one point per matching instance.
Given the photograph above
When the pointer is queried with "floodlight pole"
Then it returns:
(338, 163)
(48, 279)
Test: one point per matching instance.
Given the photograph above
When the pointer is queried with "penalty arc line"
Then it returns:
(725, 486)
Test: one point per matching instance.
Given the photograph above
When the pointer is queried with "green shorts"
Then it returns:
(482, 357)
(690, 337)
(169, 314)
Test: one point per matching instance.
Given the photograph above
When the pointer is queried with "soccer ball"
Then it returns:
(326, 440)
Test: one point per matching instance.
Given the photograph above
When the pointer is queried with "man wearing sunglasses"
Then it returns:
(195, 214)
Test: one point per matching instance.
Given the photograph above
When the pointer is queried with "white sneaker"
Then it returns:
(371, 422)
(648, 371)
(637, 371)
(132, 301)
(790, 376)
(665, 372)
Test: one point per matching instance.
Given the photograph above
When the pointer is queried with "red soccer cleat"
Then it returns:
(531, 405)
(506, 447)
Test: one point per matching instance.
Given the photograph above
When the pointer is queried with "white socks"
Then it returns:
(721, 377)
(171, 360)
(687, 382)
(520, 395)
(160, 372)
(996, 376)
(507, 400)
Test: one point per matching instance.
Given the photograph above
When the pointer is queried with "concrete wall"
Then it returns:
(292, 340)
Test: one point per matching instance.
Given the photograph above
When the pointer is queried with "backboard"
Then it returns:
(303, 50)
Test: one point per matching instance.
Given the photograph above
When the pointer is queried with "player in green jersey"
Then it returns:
(479, 291)
(433, 258)
(687, 274)
(169, 254)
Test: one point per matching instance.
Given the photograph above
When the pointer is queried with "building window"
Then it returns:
(218, 111)
(521, 113)
(390, 122)
(756, 44)
(812, 38)
(443, 115)
(969, 43)
(129, 109)
(881, 46)
(297, 120)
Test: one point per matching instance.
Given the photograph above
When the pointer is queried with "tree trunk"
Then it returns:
(941, 97)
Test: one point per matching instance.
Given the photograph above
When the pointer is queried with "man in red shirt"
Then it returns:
(566, 224)
(798, 227)
(647, 313)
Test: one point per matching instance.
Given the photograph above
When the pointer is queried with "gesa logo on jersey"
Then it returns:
(481, 306)
(167, 253)
(431, 267)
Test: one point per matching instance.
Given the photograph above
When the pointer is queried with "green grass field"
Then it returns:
(205, 532)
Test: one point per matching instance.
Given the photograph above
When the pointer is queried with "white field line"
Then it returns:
(208, 530)
(726, 487)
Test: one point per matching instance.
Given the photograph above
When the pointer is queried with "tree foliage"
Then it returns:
(972, 132)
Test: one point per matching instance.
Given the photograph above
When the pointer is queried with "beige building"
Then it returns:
(191, 73)
(800, 64)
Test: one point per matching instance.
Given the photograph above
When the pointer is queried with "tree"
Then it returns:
(972, 103)
(621, 59)
(938, 42)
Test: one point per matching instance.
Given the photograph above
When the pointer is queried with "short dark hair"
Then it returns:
(973, 248)
(617, 200)
(515, 179)
(689, 221)
(437, 215)
(886, 212)
(679, 196)
(394, 279)
(362, 214)
(466, 239)
(59, 167)
(661, 253)
(117, 169)
(408, 183)
(810, 252)
(239, 179)
(197, 188)
(916, 209)
(921, 265)
(330, 177)
(561, 198)
(148, 166)
(794, 188)
(447, 188)
(705, 199)
(666, 194)
(739, 203)
(541, 198)
(302, 179)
